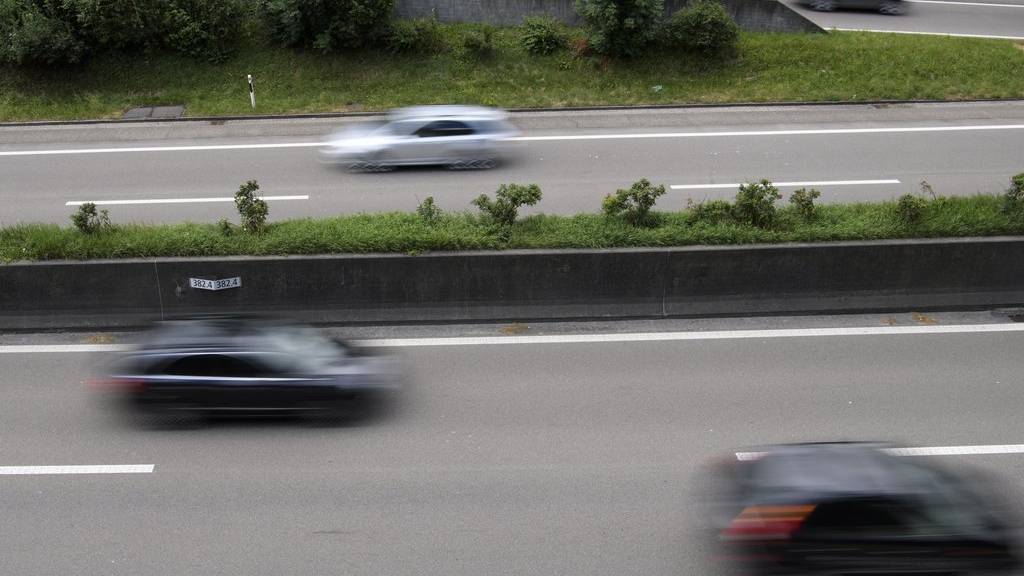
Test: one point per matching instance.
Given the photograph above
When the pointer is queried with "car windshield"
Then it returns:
(307, 344)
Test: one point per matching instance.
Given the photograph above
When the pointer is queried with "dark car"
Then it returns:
(891, 7)
(247, 365)
(855, 508)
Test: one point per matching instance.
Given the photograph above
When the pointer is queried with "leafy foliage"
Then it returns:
(327, 25)
(910, 209)
(88, 221)
(504, 209)
(253, 210)
(755, 203)
(704, 27)
(621, 28)
(542, 35)
(803, 200)
(635, 203)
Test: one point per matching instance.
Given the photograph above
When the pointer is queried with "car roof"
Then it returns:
(810, 473)
(208, 333)
(447, 111)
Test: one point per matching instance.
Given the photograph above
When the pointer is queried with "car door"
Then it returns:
(216, 381)
(443, 141)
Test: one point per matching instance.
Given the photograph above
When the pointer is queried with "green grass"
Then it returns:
(980, 215)
(770, 67)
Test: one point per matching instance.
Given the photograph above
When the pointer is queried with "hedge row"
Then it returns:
(62, 32)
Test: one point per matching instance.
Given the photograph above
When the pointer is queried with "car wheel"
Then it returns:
(823, 5)
(891, 8)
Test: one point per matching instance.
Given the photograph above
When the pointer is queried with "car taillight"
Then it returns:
(114, 384)
(766, 522)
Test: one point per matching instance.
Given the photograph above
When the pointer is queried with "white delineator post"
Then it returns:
(252, 93)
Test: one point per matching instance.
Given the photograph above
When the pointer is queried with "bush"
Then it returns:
(202, 29)
(620, 27)
(542, 35)
(710, 212)
(755, 203)
(118, 24)
(88, 221)
(428, 211)
(327, 25)
(508, 199)
(803, 200)
(253, 210)
(420, 35)
(634, 204)
(480, 43)
(703, 27)
(225, 227)
(1013, 200)
(39, 32)
(910, 208)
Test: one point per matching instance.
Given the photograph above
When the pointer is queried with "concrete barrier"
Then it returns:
(525, 285)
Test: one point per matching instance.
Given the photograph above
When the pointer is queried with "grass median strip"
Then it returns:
(410, 233)
(770, 67)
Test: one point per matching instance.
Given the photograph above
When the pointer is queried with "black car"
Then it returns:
(854, 508)
(890, 7)
(246, 365)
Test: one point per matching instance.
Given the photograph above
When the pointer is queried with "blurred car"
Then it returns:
(890, 7)
(237, 364)
(459, 137)
(854, 508)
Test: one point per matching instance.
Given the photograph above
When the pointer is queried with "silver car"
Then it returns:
(460, 137)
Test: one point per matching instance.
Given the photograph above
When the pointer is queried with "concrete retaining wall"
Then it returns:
(525, 285)
(752, 15)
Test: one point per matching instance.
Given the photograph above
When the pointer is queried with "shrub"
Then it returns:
(225, 227)
(620, 27)
(428, 211)
(480, 43)
(710, 212)
(39, 32)
(508, 199)
(253, 210)
(542, 35)
(422, 35)
(703, 27)
(88, 221)
(118, 24)
(910, 208)
(580, 47)
(634, 204)
(803, 200)
(755, 203)
(1013, 200)
(202, 29)
(327, 25)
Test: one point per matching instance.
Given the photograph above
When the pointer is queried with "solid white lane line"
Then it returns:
(92, 469)
(928, 451)
(930, 33)
(807, 132)
(817, 183)
(597, 338)
(173, 200)
(966, 3)
(161, 149)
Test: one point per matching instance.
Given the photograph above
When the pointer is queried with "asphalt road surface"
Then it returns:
(570, 458)
(170, 172)
(992, 18)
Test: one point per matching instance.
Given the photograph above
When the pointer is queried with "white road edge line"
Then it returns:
(173, 200)
(818, 183)
(966, 3)
(595, 338)
(89, 469)
(929, 33)
(806, 132)
(927, 451)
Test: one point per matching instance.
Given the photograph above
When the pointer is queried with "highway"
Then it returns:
(502, 458)
(983, 18)
(190, 170)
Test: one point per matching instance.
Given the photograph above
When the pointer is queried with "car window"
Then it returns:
(444, 128)
(859, 518)
(214, 365)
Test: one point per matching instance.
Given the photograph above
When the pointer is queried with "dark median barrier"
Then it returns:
(522, 285)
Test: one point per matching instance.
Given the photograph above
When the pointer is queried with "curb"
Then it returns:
(608, 108)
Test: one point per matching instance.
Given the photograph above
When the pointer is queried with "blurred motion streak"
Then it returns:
(247, 365)
(857, 508)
